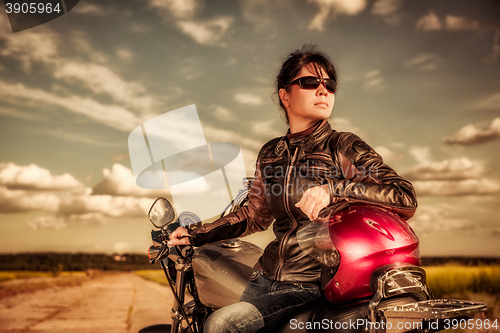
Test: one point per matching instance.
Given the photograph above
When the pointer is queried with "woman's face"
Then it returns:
(307, 106)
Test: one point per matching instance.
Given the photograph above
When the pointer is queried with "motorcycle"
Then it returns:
(371, 276)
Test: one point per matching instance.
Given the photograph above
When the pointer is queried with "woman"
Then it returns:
(308, 174)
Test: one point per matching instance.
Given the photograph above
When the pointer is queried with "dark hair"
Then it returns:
(298, 60)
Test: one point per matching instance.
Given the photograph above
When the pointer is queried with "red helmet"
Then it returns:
(367, 237)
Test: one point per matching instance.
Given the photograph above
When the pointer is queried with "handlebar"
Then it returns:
(185, 250)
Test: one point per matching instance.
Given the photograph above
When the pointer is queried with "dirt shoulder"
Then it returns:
(32, 284)
(121, 303)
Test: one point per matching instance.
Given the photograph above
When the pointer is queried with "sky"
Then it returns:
(419, 81)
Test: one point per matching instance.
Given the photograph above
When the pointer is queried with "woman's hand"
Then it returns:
(314, 200)
(180, 236)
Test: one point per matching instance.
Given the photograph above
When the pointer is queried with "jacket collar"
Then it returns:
(309, 141)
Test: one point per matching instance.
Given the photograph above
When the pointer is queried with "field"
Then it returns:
(453, 279)
(12, 275)
(154, 275)
(474, 283)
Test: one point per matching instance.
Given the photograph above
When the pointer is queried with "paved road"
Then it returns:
(119, 303)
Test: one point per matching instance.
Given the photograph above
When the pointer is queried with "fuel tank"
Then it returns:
(221, 271)
(367, 237)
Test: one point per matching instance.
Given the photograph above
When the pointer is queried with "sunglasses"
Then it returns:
(312, 82)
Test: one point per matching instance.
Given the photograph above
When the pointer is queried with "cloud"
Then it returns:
(110, 115)
(184, 13)
(223, 113)
(124, 55)
(262, 15)
(79, 42)
(431, 22)
(266, 127)
(424, 62)
(91, 210)
(32, 188)
(102, 80)
(192, 183)
(332, 8)
(189, 68)
(495, 50)
(451, 169)
(34, 177)
(248, 98)
(20, 201)
(120, 157)
(16, 113)
(345, 125)
(138, 27)
(79, 137)
(387, 154)
(492, 102)
(206, 32)
(85, 8)
(461, 23)
(26, 47)
(177, 9)
(119, 181)
(60, 222)
(374, 81)
(108, 205)
(457, 187)
(421, 154)
(471, 135)
(450, 177)
(388, 10)
(439, 218)
(214, 134)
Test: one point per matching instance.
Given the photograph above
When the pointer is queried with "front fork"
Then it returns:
(182, 267)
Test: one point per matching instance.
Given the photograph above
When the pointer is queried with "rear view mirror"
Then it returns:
(161, 213)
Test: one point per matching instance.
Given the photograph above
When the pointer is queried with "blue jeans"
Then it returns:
(264, 306)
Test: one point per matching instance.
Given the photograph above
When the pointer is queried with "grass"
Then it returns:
(12, 275)
(154, 275)
(457, 279)
(473, 283)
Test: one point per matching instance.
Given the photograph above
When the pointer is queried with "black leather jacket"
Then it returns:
(354, 172)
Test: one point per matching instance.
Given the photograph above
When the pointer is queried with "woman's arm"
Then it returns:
(368, 179)
(253, 217)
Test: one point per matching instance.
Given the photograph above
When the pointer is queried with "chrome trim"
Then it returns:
(232, 243)
(433, 309)
(396, 281)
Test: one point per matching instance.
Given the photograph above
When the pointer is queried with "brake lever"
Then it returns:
(164, 251)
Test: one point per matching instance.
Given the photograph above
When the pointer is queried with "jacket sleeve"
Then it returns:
(253, 217)
(367, 179)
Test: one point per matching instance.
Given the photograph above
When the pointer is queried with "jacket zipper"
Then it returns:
(287, 209)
